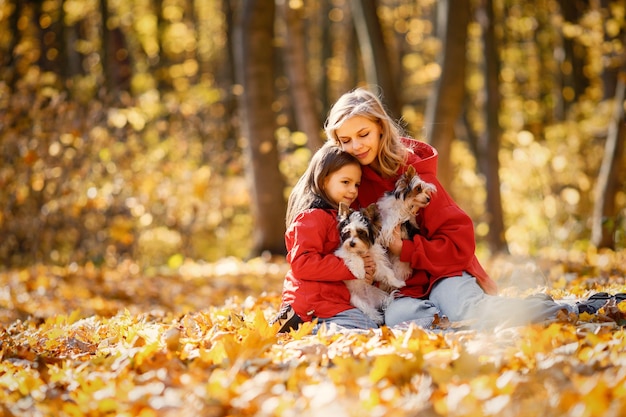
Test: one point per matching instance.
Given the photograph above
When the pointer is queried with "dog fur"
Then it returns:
(399, 207)
(358, 231)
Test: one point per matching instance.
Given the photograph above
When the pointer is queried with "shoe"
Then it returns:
(619, 297)
(287, 318)
(594, 303)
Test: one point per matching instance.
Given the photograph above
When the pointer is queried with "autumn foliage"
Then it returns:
(124, 192)
(88, 341)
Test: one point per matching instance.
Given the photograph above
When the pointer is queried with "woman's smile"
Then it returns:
(360, 137)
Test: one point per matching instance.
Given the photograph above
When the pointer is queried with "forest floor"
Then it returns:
(78, 341)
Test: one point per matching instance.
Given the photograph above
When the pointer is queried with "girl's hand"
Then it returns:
(395, 246)
(370, 268)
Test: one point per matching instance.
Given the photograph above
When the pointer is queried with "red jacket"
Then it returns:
(314, 284)
(446, 244)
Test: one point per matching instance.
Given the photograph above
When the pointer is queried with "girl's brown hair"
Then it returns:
(309, 190)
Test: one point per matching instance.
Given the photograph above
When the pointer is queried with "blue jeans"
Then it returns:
(348, 319)
(461, 298)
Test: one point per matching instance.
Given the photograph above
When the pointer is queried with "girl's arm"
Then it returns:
(311, 241)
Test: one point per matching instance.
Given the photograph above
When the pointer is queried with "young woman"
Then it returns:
(447, 279)
(314, 287)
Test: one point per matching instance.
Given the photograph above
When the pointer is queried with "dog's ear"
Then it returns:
(344, 210)
(430, 187)
(403, 184)
(373, 214)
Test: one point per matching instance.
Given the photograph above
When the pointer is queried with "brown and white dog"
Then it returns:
(358, 231)
(399, 207)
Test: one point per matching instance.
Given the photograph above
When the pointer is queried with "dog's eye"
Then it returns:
(363, 235)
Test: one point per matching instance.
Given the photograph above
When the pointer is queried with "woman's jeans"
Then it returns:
(461, 298)
(349, 319)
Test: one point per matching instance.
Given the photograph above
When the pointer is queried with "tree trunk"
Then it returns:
(605, 213)
(116, 68)
(572, 11)
(8, 70)
(254, 57)
(74, 63)
(46, 38)
(445, 105)
(489, 143)
(300, 85)
(162, 66)
(323, 84)
(613, 63)
(376, 61)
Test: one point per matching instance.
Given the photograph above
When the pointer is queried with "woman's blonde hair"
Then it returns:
(392, 153)
(309, 190)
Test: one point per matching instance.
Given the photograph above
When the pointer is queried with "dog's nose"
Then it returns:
(352, 243)
(428, 199)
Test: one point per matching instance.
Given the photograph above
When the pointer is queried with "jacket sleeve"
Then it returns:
(446, 243)
(311, 241)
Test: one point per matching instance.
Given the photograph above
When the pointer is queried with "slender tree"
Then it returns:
(301, 90)
(116, 67)
(489, 143)
(574, 59)
(378, 68)
(611, 175)
(446, 103)
(254, 57)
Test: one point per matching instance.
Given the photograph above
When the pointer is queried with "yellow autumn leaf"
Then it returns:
(304, 329)
(214, 355)
(396, 368)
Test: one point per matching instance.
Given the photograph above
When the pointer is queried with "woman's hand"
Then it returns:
(395, 246)
(370, 268)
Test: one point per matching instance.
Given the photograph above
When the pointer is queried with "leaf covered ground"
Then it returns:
(78, 341)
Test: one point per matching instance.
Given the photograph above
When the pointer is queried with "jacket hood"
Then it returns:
(424, 157)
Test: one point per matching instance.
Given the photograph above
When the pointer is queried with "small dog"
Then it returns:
(399, 207)
(358, 231)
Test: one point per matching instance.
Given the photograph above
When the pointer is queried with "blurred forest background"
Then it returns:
(164, 130)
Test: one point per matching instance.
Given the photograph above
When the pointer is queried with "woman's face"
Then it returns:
(360, 137)
(343, 184)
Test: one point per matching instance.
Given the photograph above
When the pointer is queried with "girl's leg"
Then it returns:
(461, 298)
(404, 309)
(348, 319)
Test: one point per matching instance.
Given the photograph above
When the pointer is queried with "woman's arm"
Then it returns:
(446, 242)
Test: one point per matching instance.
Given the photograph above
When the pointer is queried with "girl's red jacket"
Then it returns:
(445, 246)
(314, 285)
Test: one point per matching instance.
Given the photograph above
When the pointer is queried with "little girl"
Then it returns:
(314, 287)
(447, 278)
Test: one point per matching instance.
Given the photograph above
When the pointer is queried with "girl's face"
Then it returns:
(343, 184)
(360, 137)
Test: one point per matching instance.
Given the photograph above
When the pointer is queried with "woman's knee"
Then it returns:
(410, 309)
(457, 296)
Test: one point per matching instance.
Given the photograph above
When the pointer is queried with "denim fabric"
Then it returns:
(348, 319)
(403, 309)
(461, 298)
